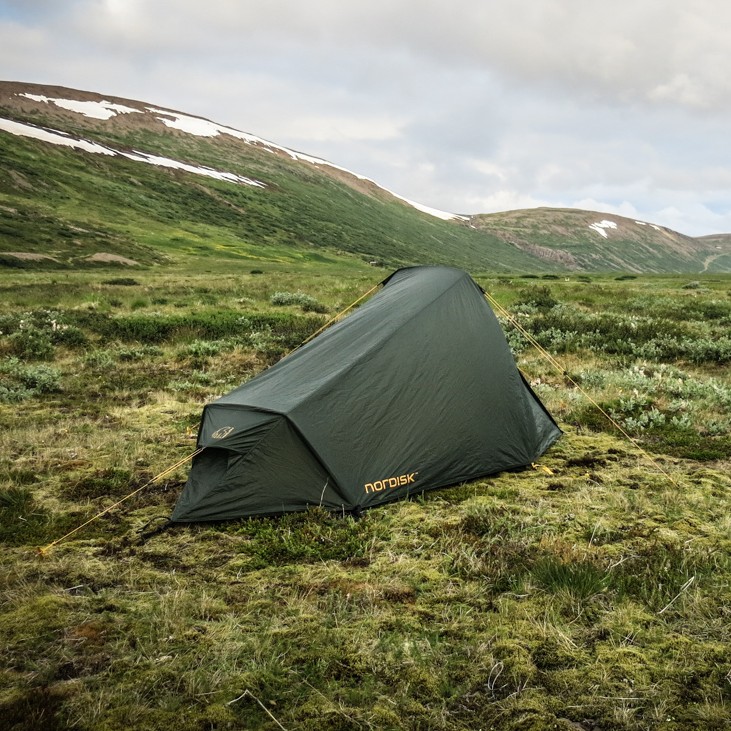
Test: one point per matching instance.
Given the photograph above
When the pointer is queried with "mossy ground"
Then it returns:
(590, 593)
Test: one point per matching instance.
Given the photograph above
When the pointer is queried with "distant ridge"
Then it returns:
(100, 180)
(587, 240)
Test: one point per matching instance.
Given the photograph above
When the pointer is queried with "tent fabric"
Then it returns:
(417, 389)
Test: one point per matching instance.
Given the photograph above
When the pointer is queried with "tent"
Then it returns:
(417, 389)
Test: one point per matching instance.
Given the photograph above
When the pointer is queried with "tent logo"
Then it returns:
(221, 433)
(391, 482)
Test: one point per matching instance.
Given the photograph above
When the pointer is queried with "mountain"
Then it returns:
(590, 241)
(88, 179)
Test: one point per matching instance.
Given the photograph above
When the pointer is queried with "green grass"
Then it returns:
(590, 594)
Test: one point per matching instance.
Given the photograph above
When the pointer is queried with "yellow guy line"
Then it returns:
(337, 317)
(165, 473)
(557, 365)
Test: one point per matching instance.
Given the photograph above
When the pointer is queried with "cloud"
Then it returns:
(658, 51)
(463, 106)
(22, 47)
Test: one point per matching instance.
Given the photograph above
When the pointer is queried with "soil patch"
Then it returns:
(111, 258)
(29, 256)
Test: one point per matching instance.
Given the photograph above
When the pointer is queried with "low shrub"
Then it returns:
(707, 350)
(121, 282)
(11, 394)
(305, 301)
(538, 297)
(31, 343)
(70, 336)
(22, 381)
(568, 328)
(683, 308)
(203, 348)
(665, 430)
(133, 354)
(32, 333)
(211, 325)
(99, 360)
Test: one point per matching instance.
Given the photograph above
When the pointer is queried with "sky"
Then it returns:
(467, 106)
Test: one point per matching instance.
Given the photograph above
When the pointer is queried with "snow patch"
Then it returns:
(55, 137)
(601, 226)
(640, 223)
(167, 162)
(192, 125)
(205, 128)
(59, 138)
(97, 110)
(444, 215)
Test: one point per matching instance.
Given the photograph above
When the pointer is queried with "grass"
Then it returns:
(590, 594)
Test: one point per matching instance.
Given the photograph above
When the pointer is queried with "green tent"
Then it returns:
(417, 389)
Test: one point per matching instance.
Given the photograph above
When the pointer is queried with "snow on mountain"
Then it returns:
(96, 110)
(206, 128)
(56, 137)
(188, 124)
(601, 226)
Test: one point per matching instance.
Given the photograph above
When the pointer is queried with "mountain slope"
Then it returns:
(86, 178)
(588, 241)
(301, 207)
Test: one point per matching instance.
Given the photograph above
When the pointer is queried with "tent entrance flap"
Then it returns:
(278, 474)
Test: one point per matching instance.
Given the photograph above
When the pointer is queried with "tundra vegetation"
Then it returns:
(593, 592)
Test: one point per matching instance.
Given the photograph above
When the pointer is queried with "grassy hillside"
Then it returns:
(71, 204)
(62, 207)
(590, 593)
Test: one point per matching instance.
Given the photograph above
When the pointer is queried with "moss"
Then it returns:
(23, 521)
(40, 708)
(32, 631)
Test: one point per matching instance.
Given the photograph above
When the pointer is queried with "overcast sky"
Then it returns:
(469, 106)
